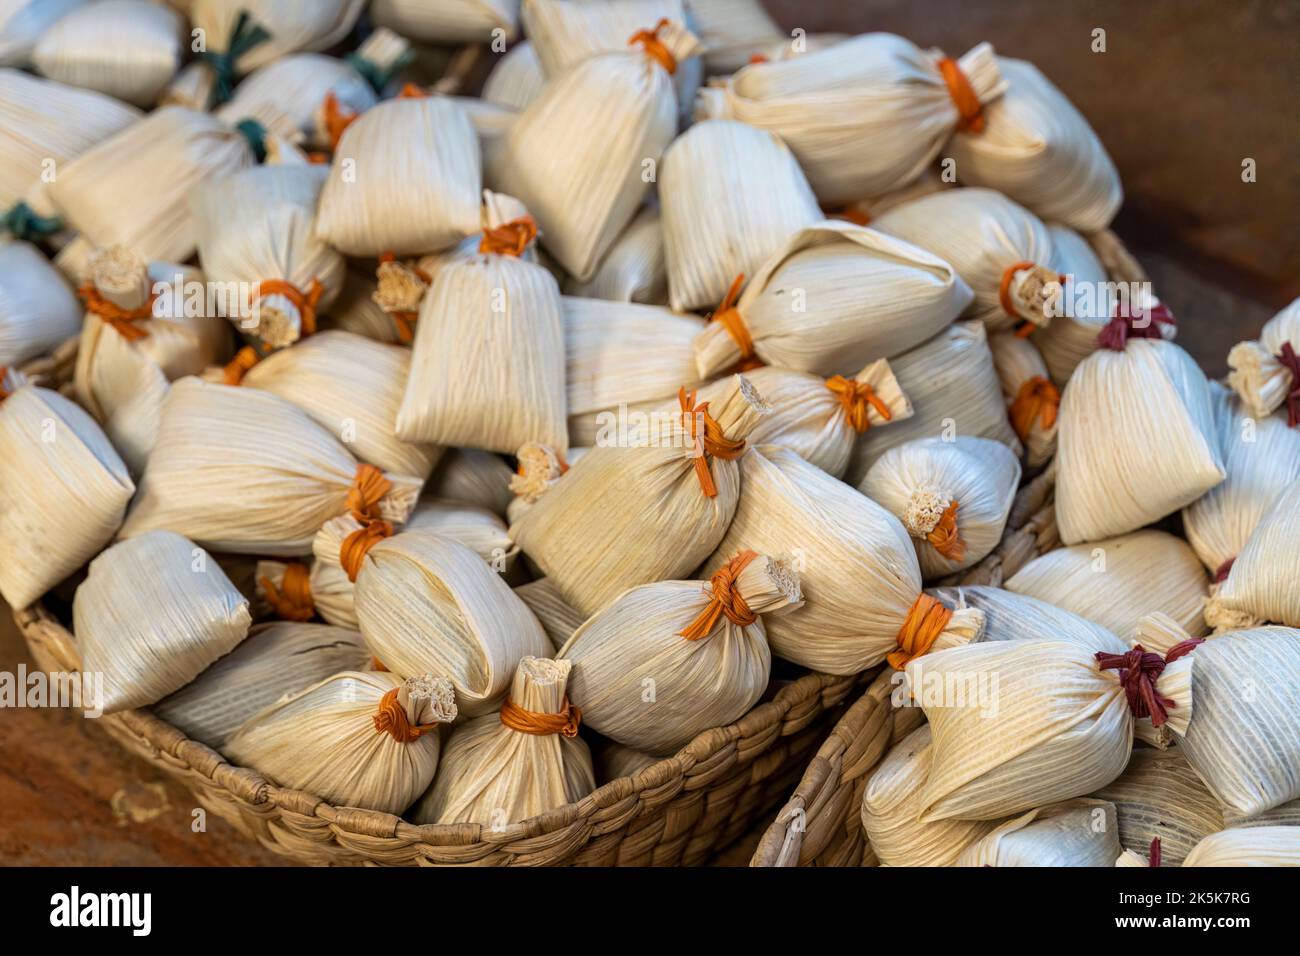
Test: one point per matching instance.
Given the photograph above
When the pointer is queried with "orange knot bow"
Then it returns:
(565, 722)
(654, 47)
(305, 304)
(336, 119)
(510, 239)
(945, 538)
(358, 544)
(368, 488)
(1038, 400)
(240, 365)
(729, 317)
(925, 621)
(858, 398)
(707, 439)
(724, 599)
(391, 718)
(121, 320)
(969, 108)
(4, 392)
(292, 600)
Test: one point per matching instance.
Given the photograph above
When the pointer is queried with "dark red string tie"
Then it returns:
(1225, 569)
(1122, 327)
(1291, 361)
(1155, 852)
(1139, 669)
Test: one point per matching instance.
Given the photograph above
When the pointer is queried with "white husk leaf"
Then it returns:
(1262, 583)
(1080, 832)
(516, 79)
(558, 618)
(634, 269)
(1017, 617)
(1088, 303)
(294, 26)
(37, 309)
(1253, 846)
(1257, 376)
(731, 30)
(448, 21)
(24, 22)
(473, 477)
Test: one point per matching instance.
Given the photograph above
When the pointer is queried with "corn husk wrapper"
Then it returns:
(356, 311)
(577, 155)
(405, 179)
(731, 30)
(1160, 795)
(516, 79)
(1117, 581)
(1262, 585)
(331, 594)
(1258, 375)
(983, 234)
(539, 468)
(63, 489)
(635, 269)
(954, 390)
(588, 532)
(487, 366)
(478, 529)
(275, 660)
(1039, 722)
(863, 117)
(1017, 617)
(491, 123)
(836, 296)
(1253, 846)
(294, 27)
(641, 682)
(152, 614)
(891, 807)
(473, 477)
(449, 21)
(622, 361)
(558, 618)
(124, 382)
(857, 566)
(1261, 457)
(1137, 440)
(325, 741)
(1080, 832)
(238, 469)
(566, 32)
(363, 412)
(707, 242)
(44, 125)
(1033, 401)
(1087, 303)
(37, 309)
(1038, 149)
(148, 168)
(127, 49)
(613, 761)
(919, 482)
(494, 775)
(24, 22)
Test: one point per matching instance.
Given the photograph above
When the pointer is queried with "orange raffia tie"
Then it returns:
(405, 321)
(858, 398)
(1004, 291)
(305, 304)
(849, 214)
(963, 96)
(377, 665)
(4, 392)
(336, 119)
(711, 443)
(122, 320)
(411, 92)
(358, 544)
(391, 718)
(238, 367)
(925, 621)
(729, 317)
(724, 599)
(531, 722)
(1037, 400)
(510, 239)
(755, 58)
(292, 600)
(368, 488)
(654, 47)
(945, 537)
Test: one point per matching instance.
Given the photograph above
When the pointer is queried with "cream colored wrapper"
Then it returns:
(1257, 375)
(641, 682)
(449, 21)
(954, 390)
(731, 30)
(928, 483)
(581, 156)
(495, 776)
(37, 309)
(863, 117)
(293, 26)
(834, 297)
(239, 469)
(1037, 148)
(1137, 440)
(63, 490)
(1017, 617)
(588, 532)
(764, 198)
(1080, 832)
(1087, 304)
(127, 49)
(405, 179)
(516, 78)
(325, 741)
(152, 614)
(613, 761)
(622, 362)
(635, 268)
(1118, 581)
(24, 22)
(332, 594)
(1033, 402)
(352, 387)
(356, 311)
(558, 618)
(1253, 846)
(1262, 583)
(856, 564)
(473, 477)
(275, 660)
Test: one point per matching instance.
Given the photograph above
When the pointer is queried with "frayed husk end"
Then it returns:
(1258, 377)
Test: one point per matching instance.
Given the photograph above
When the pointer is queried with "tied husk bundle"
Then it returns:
(37, 309)
(1033, 401)
(667, 661)
(673, 480)
(152, 614)
(275, 660)
(356, 739)
(765, 198)
(634, 269)
(1017, 617)
(448, 21)
(294, 591)
(63, 489)
(1081, 832)
(865, 116)
(238, 469)
(135, 342)
(1087, 304)
(857, 569)
(516, 78)
(1251, 846)
(731, 30)
(953, 497)
(1265, 372)
(24, 22)
(833, 298)
(502, 768)
(1261, 582)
